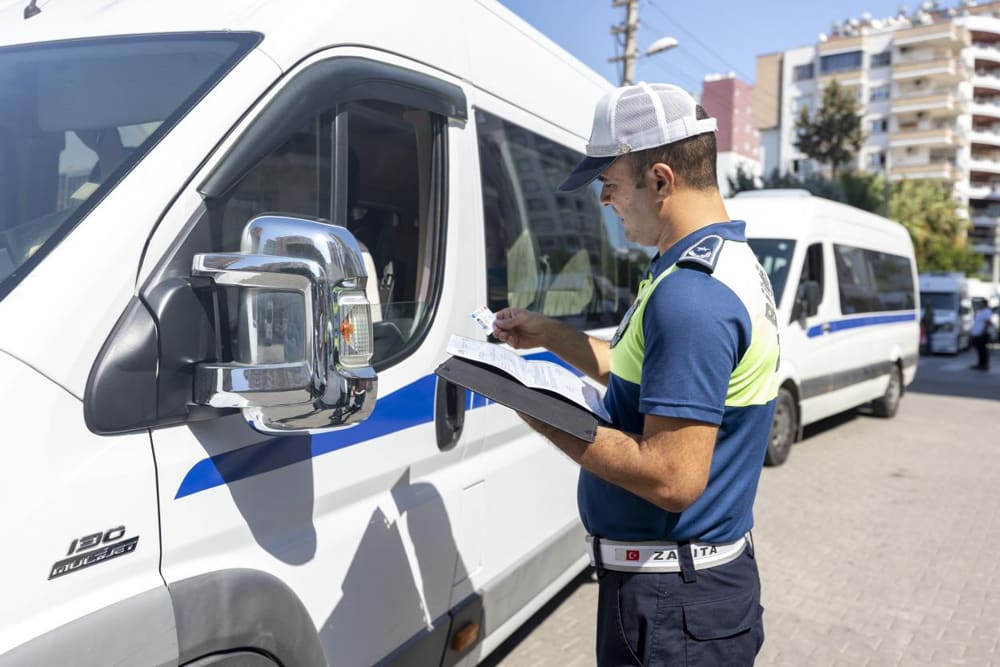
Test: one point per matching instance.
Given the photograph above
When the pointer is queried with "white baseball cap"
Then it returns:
(634, 118)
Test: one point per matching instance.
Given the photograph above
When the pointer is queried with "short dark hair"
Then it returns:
(692, 159)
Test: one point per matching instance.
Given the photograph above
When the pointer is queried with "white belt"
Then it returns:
(663, 556)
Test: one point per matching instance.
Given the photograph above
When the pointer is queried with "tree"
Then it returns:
(929, 212)
(863, 190)
(833, 136)
(742, 180)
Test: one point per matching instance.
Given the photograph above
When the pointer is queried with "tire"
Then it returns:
(784, 429)
(888, 404)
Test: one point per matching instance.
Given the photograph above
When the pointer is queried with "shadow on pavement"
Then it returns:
(497, 656)
(824, 425)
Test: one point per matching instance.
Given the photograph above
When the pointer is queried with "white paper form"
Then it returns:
(535, 374)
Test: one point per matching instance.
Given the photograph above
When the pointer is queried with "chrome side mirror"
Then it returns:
(303, 345)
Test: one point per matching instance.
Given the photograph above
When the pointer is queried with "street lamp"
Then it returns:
(661, 45)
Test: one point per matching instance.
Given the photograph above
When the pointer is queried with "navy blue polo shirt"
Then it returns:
(700, 343)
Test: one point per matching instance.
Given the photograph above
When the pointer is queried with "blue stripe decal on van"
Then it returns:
(854, 323)
(405, 408)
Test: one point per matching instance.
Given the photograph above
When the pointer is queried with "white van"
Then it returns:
(196, 468)
(845, 284)
(947, 295)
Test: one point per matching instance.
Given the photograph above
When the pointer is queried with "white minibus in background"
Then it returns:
(947, 295)
(844, 282)
(235, 239)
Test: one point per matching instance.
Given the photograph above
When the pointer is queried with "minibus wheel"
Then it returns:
(889, 403)
(783, 429)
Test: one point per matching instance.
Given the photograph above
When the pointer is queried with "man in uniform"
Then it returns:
(666, 491)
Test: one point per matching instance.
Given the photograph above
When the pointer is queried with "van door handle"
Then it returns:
(449, 413)
(825, 327)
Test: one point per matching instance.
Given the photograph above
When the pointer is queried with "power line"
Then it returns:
(697, 41)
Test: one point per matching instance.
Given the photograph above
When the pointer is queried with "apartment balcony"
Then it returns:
(985, 54)
(846, 79)
(938, 34)
(983, 236)
(934, 103)
(835, 44)
(989, 107)
(984, 189)
(985, 165)
(928, 137)
(940, 169)
(985, 137)
(938, 67)
(986, 217)
(986, 79)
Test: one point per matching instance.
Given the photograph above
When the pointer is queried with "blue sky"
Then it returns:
(715, 36)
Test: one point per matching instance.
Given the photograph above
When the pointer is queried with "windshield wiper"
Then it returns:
(31, 10)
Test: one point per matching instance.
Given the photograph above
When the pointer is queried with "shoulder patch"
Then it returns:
(704, 253)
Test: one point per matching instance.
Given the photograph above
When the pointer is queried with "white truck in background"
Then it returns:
(947, 295)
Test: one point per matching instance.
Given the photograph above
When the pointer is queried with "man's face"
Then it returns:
(635, 206)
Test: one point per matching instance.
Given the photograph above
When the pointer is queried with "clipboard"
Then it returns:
(545, 406)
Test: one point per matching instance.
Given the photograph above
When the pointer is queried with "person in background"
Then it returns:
(981, 335)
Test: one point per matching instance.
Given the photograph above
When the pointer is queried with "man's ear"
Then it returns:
(663, 178)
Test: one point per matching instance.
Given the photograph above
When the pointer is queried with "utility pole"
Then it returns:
(629, 29)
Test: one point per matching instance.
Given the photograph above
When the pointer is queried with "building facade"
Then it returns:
(730, 102)
(928, 91)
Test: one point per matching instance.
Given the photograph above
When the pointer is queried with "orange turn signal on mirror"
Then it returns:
(346, 329)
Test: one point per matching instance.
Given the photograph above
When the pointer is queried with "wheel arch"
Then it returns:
(243, 609)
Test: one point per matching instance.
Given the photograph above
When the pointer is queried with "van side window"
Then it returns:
(813, 268)
(872, 281)
(812, 271)
(391, 166)
(549, 251)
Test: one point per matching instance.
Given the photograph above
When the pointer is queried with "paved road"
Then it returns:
(879, 540)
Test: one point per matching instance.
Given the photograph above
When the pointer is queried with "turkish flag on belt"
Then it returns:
(631, 554)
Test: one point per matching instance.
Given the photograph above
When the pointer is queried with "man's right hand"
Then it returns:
(521, 328)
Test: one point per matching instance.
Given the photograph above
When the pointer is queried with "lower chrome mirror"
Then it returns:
(303, 342)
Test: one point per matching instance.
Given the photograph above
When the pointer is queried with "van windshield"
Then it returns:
(775, 255)
(940, 300)
(75, 116)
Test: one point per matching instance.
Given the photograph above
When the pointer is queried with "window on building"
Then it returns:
(879, 93)
(580, 269)
(800, 103)
(802, 167)
(876, 161)
(840, 62)
(802, 72)
(883, 59)
(878, 125)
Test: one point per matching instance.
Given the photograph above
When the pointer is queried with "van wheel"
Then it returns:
(889, 403)
(783, 429)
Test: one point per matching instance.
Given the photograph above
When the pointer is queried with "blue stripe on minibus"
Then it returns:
(404, 408)
(855, 322)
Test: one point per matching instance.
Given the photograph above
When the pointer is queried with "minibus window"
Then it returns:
(393, 159)
(774, 255)
(75, 116)
(553, 252)
(872, 281)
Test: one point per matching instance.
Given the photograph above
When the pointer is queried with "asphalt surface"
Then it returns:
(878, 540)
